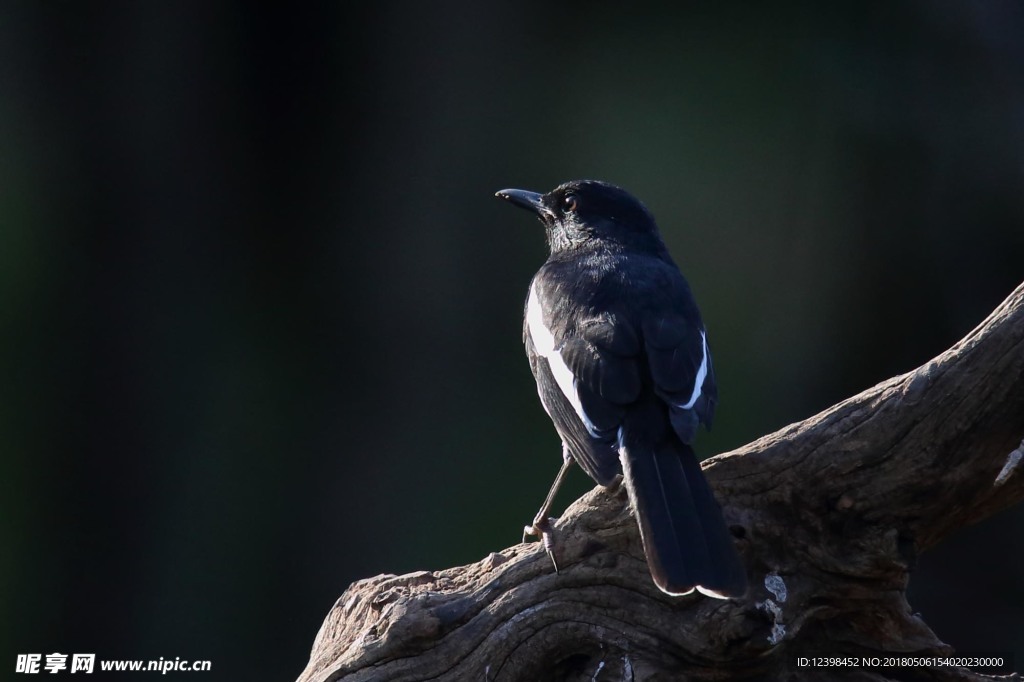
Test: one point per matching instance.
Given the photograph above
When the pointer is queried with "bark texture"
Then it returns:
(829, 515)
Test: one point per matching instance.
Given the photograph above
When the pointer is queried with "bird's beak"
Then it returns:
(531, 201)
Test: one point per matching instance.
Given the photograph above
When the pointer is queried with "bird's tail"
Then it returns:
(685, 539)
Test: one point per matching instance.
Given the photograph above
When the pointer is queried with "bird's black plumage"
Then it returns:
(620, 354)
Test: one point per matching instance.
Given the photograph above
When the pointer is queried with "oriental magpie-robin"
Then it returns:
(621, 359)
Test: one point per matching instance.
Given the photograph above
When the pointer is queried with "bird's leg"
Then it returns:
(541, 523)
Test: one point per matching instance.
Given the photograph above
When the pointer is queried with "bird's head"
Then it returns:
(585, 212)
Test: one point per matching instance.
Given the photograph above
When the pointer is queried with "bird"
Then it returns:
(623, 368)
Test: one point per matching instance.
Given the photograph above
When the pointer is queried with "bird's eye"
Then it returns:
(570, 202)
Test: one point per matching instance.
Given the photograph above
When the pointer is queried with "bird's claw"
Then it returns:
(542, 527)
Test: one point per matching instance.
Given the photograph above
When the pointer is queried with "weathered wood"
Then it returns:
(829, 514)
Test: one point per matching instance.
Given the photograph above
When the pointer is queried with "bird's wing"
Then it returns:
(587, 371)
(681, 370)
(598, 457)
(603, 357)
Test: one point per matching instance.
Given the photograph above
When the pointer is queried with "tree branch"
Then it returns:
(830, 515)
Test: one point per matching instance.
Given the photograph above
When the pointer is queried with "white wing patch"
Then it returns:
(544, 344)
(702, 373)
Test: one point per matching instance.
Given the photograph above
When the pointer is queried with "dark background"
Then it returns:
(260, 314)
